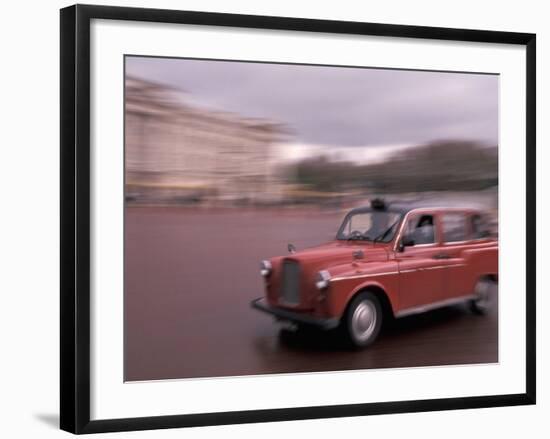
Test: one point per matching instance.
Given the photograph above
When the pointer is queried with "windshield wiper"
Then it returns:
(358, 237)
(385, 232)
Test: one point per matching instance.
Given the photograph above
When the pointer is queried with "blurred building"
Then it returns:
(178, 152)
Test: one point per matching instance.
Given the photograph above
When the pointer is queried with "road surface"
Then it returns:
(191, 273)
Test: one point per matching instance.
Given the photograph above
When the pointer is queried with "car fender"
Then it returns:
(349, 285)
(481, 262)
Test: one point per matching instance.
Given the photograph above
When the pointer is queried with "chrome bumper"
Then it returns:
(284, 314)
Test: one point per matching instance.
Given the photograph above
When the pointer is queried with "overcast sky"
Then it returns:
(336, 106)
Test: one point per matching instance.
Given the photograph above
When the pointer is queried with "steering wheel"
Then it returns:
(356, 234)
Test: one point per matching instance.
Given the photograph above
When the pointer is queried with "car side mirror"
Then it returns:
(358, 254)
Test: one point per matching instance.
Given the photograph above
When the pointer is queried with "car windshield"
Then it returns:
(372, 225)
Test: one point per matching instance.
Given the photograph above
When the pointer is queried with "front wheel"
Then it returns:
(363, 320)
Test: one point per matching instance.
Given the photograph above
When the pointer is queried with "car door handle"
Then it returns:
(441, 256)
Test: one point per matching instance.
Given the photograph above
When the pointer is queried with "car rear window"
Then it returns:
(480, 227)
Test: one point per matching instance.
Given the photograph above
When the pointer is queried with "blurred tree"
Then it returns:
(437, 166)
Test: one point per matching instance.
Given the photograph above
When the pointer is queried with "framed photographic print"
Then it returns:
(305, 218)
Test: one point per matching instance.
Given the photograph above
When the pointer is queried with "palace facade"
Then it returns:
(177, 152)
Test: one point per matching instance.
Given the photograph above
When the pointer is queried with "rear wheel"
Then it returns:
(483, 296)
(363, 320)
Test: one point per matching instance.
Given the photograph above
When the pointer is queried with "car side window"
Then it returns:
(454, 227)
(421, 229)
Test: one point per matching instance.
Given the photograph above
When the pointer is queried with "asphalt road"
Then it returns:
(189, 278)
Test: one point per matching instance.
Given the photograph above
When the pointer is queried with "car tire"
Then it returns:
(483, 292)
(363, 320)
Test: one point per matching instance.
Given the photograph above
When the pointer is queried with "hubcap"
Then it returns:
(363, 320)
(483, 294)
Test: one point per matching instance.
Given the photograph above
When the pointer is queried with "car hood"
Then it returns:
(338, 252)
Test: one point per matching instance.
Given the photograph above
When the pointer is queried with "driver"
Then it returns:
(424, 231)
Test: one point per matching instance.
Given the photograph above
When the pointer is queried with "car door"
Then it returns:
(420, 265)
(455, 242)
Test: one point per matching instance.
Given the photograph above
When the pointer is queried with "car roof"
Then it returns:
(405, 207)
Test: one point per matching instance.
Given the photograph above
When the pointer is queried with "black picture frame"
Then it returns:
(75, 217)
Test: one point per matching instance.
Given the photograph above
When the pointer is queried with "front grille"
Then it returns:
(290, 285)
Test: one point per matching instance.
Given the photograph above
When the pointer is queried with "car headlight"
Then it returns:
(265, 268)
(322, 280)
